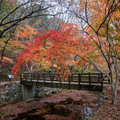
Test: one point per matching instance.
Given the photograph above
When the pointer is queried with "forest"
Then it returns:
(60, 36)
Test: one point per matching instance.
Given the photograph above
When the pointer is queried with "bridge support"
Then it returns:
(103, 90)
(28, 92)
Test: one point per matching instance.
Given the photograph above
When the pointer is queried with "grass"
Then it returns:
(92, 117)
(3, 113)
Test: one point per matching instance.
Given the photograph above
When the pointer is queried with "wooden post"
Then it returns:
(71, 77)
(40, 76)
(109, 79)
(25, 75)
(37, 79)
(51, 77)
(26, 78)
(59, 80)
(79, 80)
(98, 78)
(69, 81)
(89, 82)
(20, 78)
(57, 77)
(31, 78)
(44, 79)
(102, 81)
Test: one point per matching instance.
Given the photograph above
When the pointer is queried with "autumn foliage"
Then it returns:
(58, 47)
(96, 42)
(6, 62)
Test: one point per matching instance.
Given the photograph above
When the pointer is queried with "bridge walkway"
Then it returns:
(80, 81)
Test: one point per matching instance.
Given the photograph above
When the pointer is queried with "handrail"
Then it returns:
(77, 78)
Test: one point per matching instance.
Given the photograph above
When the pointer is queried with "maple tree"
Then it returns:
(23, 37)
(58, 47)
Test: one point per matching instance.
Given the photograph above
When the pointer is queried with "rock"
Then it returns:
(12, 94)
(15, 93)
(53, 92)
(102, 99)
(28, 100)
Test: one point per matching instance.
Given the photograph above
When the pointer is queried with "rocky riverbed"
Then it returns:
(13, 92)
(48, 104)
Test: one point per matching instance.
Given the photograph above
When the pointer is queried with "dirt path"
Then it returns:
(2, 83)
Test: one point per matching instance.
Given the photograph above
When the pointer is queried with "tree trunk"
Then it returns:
(114, 94)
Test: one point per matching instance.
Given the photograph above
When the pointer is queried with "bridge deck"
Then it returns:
(74, 83)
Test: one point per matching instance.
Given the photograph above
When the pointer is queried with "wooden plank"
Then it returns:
(90, 73)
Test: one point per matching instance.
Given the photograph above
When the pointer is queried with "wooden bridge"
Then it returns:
(87, 81)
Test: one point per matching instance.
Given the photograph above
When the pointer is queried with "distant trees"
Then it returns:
(14, 12)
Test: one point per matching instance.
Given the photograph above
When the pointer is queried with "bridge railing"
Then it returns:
(83, 77)
(86, 77)
(79, 79)
(43, 77)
